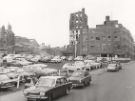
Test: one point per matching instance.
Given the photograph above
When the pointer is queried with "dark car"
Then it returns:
(6, 82)
(48, 88)
(80, 78)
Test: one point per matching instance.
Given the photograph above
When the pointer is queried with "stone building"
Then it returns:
(25, 45)
(9, 43)
(108, 39)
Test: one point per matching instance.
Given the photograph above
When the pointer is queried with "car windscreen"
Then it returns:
(112, 65)
(47, 82)
(78, 74)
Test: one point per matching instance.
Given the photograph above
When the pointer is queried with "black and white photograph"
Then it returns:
(67, 50)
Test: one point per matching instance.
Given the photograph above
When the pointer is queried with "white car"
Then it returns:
(79, 58)
(63, 57)
(34, 68)
(94, 64)
(71, 67)
(70, 58)
(112, 67)
(56, 60)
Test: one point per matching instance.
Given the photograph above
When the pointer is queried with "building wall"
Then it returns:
(25, 45)
(109, 39)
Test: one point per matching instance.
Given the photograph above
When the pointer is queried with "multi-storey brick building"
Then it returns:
(108, 39)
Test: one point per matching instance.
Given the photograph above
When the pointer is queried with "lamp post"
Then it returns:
(75, 48)
(75, 41)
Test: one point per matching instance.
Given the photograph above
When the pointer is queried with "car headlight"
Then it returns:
(25, 92)
(80, 81)
(1, 83)
(42, 94)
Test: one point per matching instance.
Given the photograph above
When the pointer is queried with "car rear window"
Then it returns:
(112, 64)
(76, 74)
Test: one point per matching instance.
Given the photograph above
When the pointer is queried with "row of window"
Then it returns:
(103, 37)
(104, 46)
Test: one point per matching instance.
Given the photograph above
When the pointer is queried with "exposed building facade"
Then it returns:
(78, 22)
(108, 39)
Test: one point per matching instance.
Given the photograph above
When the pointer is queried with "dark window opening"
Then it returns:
(92, 46)
(97, 38)
(92, 37)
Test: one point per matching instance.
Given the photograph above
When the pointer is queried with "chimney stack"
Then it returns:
(107, 18)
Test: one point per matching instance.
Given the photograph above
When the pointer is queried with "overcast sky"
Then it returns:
(48, 20)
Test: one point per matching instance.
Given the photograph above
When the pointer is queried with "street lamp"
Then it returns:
(75, 32)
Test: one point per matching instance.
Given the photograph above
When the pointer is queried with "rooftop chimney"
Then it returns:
(107, 18)
(83, 10)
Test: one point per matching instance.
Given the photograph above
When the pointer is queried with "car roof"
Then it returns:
(52, 77)
(82, 71)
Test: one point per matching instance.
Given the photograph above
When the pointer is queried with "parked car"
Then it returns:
(63, 57)
(23, 76)
(115, 66)
(34, 67)
(48, 87)
(94, 64)
(70, 58)
(71, 67)
(79, 58)
(56, 60)
(119, 65)
(45, 59)
(80, 78)
(47, 72)
(6, 82)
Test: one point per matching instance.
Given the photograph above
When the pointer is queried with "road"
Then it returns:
(106, 86)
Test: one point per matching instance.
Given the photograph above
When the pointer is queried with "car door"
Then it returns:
(64, 85)
(86, 77)
(58, 89)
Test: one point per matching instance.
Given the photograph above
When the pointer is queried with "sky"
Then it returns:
(47, 21)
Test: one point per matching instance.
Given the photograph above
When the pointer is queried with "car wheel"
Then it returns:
(67, 91)
(84, 84)
(50, 98)
(88, 83)
(30, 99)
